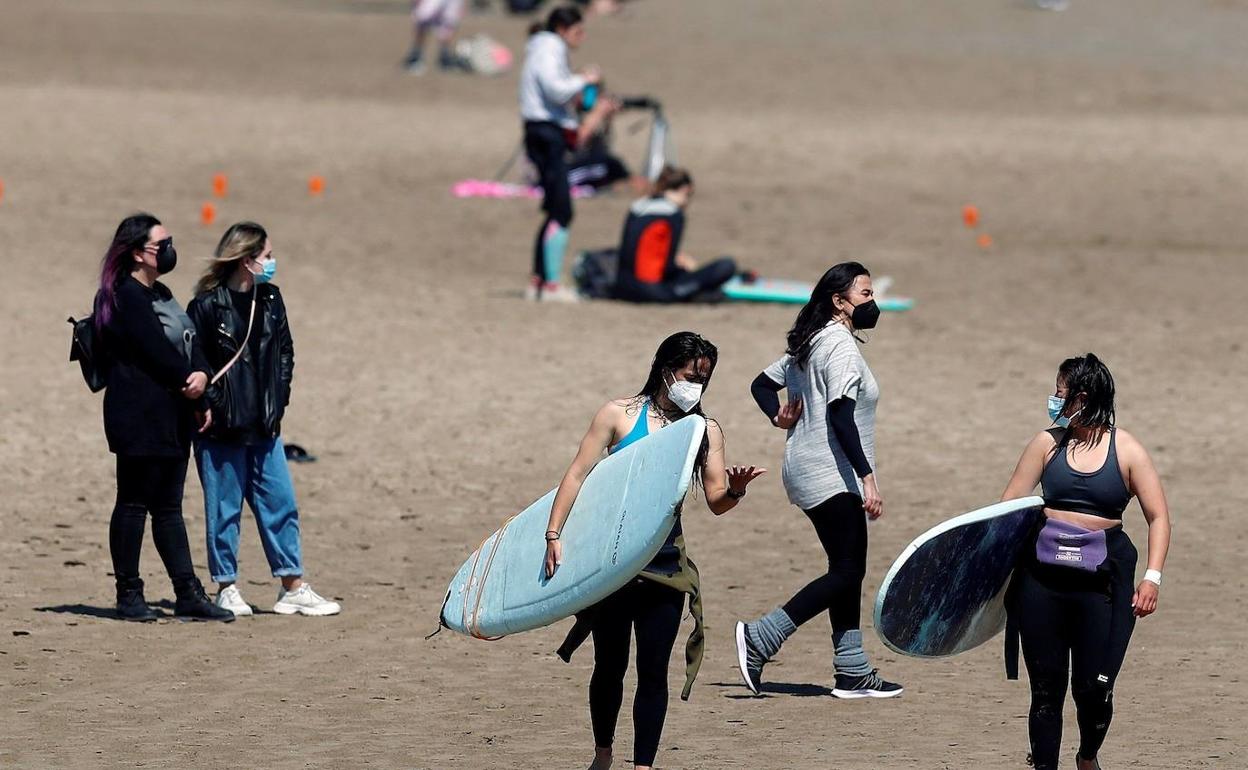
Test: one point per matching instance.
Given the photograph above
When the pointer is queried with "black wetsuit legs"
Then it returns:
(651, 613)
(546, 146)
(841, 524)
(1074, 625)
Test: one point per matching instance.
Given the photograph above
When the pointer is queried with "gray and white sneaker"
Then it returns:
(304, 601)
(868, 686)
(749, 660)
(229, 598)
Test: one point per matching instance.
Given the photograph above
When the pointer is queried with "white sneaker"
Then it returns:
(304, 601)
(553, 292)
(532, 292)
(229, 598)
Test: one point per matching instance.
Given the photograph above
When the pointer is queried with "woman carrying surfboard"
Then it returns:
(1073, 601)
(652, 603)
(829, 461)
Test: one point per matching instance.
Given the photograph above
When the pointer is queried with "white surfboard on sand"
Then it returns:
(624, 512)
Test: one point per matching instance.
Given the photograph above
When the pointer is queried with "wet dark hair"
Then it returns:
(118, 262)
(816, 313)
(1088, 376)
(563, 17)
(671, 178)
(673, 353)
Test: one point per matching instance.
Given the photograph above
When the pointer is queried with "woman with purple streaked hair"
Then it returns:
(155, 381)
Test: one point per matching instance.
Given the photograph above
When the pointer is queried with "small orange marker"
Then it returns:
(1, 189)
(984, 241)
(207, 214)
(220, 185)
(970, 216)
(316, 185)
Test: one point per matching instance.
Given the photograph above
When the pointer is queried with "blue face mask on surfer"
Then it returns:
(1056, 403)
(268, 269)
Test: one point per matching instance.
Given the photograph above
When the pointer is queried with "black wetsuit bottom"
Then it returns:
(1075, 626)
(650, 612)
(701, 285)
(546, 146)
(150, 485)
(841, 524)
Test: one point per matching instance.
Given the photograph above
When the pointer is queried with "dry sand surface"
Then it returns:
(1104, 146)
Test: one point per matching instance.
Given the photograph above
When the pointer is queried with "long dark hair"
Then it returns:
(563, 17)
(817, 312)
(118, 262)
(673, 353)
(1088, 376)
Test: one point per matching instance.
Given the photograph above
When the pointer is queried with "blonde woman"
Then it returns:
(242, 321)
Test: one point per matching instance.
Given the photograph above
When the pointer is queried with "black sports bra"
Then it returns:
(1101, 493)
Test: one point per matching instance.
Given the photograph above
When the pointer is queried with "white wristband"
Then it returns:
(1153, 576)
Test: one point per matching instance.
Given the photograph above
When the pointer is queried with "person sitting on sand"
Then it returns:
(652, 267)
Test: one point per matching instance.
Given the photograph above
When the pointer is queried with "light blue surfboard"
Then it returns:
(945, 593)
(793, 292)
(624, 512)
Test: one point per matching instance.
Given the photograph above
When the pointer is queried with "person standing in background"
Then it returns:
(242, 318)
(155, 383)
(444, 16)
(547, 89)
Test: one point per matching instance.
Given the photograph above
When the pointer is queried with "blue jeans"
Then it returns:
(232, 473)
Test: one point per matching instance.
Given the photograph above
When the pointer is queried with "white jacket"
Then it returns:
(547, 83)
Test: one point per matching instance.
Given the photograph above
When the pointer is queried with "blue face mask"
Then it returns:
(1055, 412)
(268, 269)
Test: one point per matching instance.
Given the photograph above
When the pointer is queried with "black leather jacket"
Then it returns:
(252, 394)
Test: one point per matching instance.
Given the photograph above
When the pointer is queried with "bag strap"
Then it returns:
(251, 317)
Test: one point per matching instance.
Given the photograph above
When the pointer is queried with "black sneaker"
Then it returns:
(868, 686)
(414, 62)
(749, 660)
(133, 607)
(449, 61)
(194, 604)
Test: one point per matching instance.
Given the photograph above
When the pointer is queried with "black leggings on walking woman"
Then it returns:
(841, 524)
(150, 484)
(651, 612)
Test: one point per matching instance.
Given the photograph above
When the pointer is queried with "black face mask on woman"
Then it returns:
(166, 256)
(866, 315)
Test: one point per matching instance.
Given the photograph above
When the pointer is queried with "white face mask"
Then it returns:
(684, 394)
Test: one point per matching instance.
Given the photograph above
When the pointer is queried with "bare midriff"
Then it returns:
(1085, 520)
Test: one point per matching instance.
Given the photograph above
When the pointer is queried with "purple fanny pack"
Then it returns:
(1062, 544)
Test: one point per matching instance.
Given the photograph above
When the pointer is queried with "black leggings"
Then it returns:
(652, 612)
(686, 286)
(1075, 625)
(150, 484)
(545, 145)
(841, 524)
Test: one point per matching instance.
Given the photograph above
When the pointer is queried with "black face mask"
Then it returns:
(866, 315)
(166, 256)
